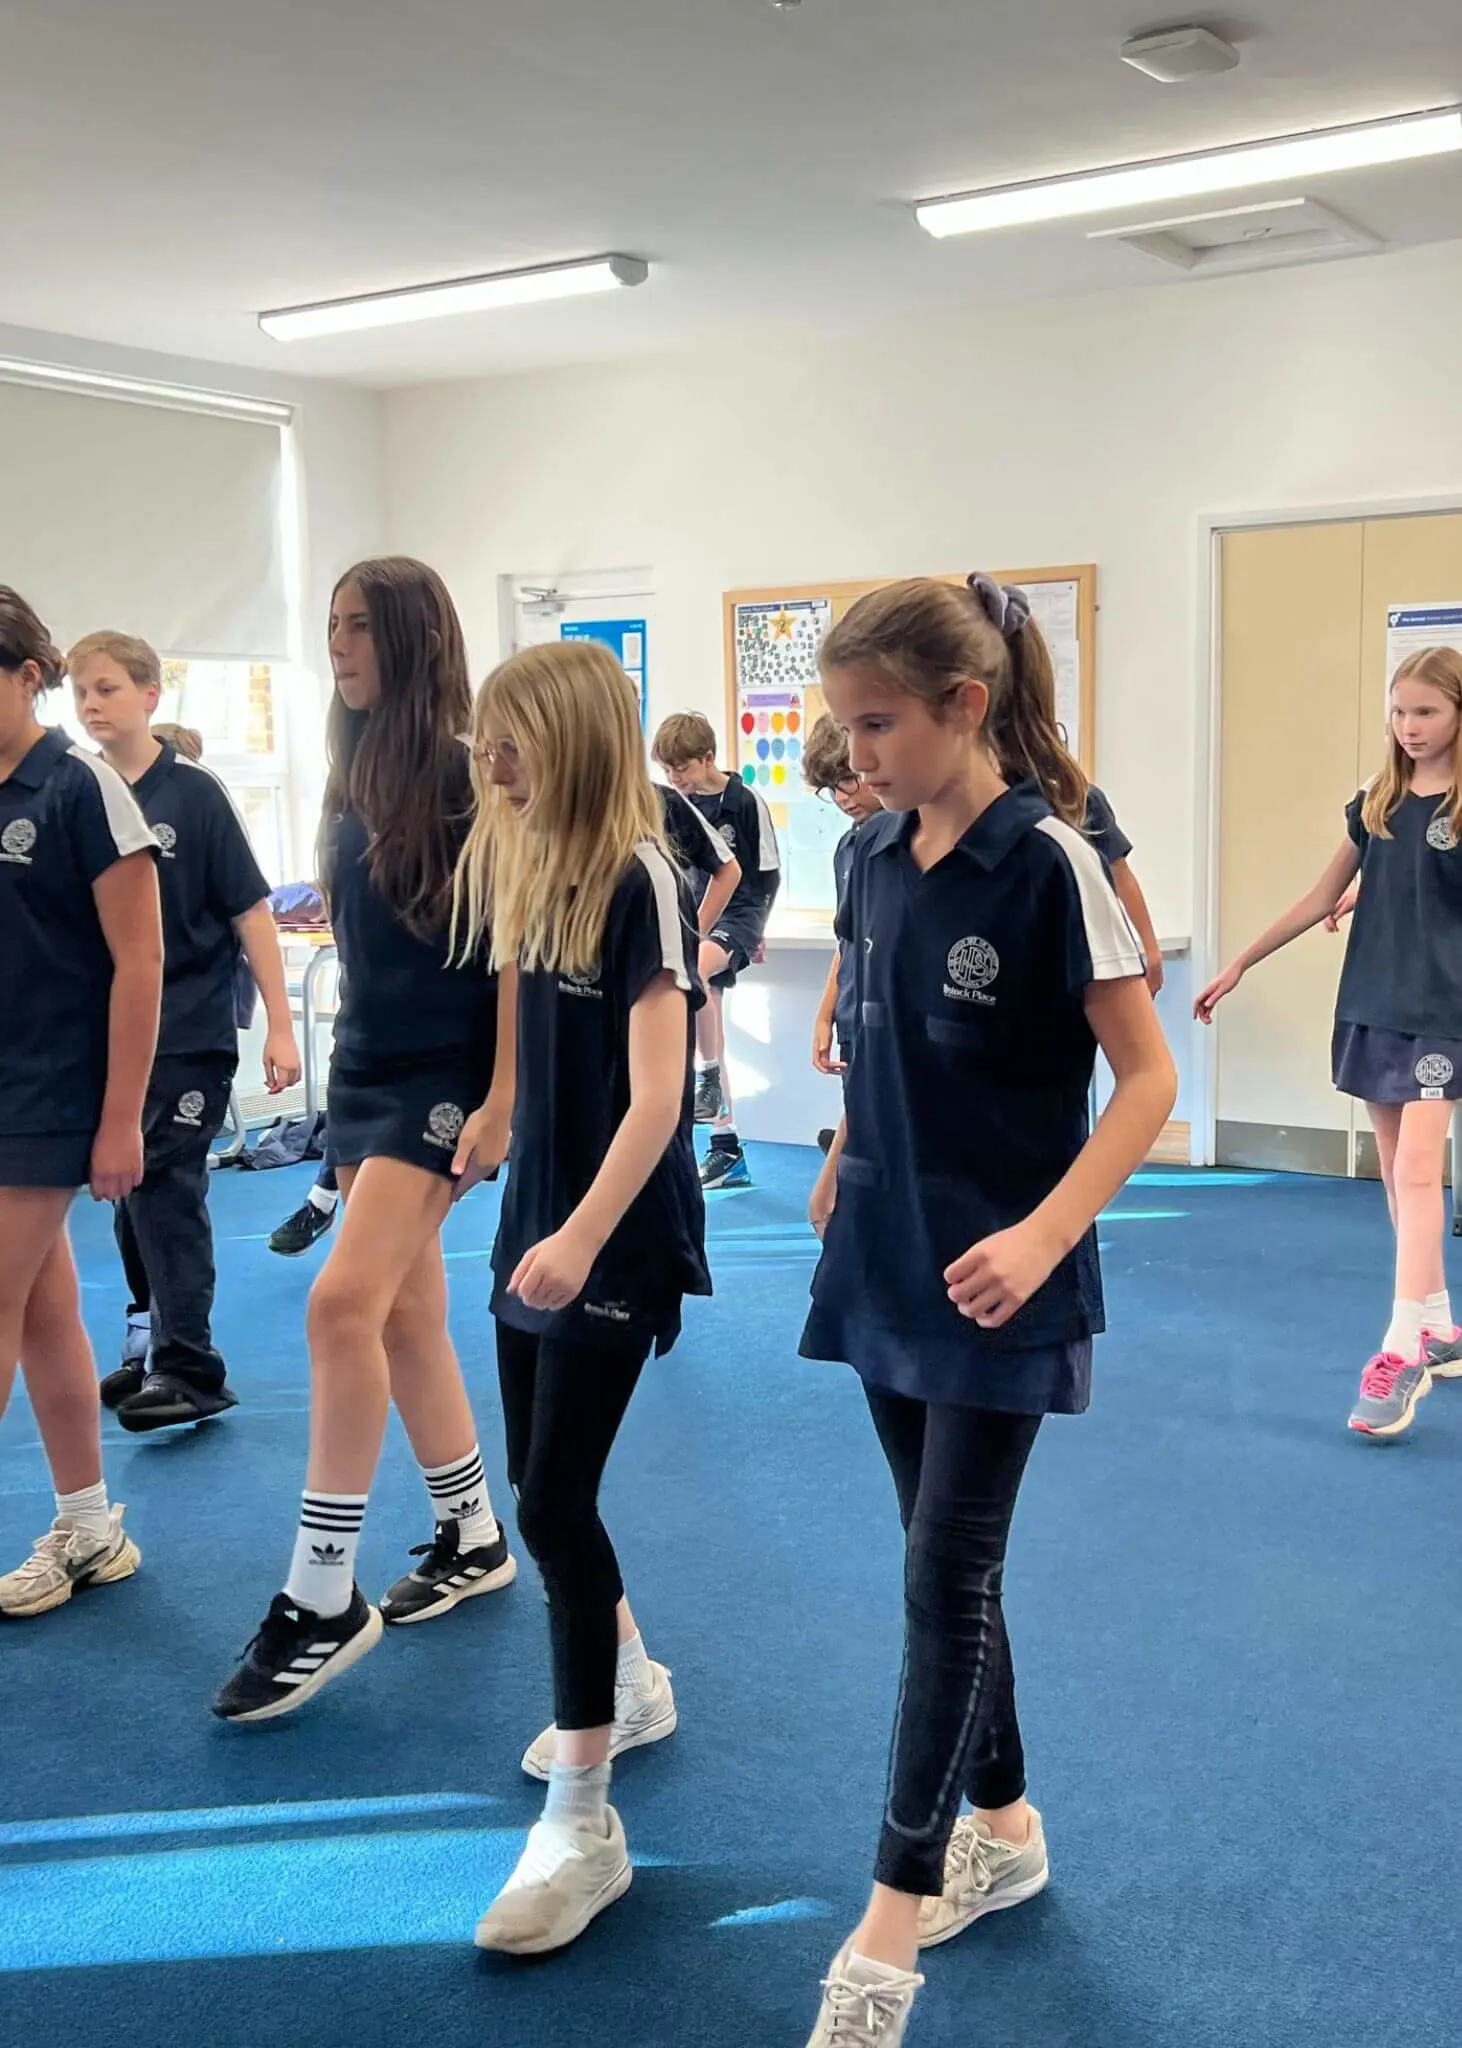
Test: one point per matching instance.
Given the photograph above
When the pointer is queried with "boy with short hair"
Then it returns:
(685, 747)
(828, 773)
(214, 904)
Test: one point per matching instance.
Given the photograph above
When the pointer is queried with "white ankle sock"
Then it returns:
(322, 1571)
(863, 1970)
(1403, 1332)
(1437, 1315)
(89, 1509)
(459, 1494)
(578, 1795)
(632, 1671)
(324, 1199)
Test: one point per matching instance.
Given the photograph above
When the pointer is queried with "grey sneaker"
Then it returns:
(859, 2015)
(983, 1875)
(1443, 1355)
(1389, 1392)
(640, 1718)
(65, 1559)
(709, 1100)
(565, 1878)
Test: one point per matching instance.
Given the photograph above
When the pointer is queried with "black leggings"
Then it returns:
(957, 1471)
(563, 1403)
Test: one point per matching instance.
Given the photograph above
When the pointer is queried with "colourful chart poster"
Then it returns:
(778, 701)
(625, 639)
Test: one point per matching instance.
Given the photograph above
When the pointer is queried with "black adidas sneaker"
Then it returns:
(447, 1575)
(295, 1653)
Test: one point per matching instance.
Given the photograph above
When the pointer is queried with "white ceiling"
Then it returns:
(170, 167)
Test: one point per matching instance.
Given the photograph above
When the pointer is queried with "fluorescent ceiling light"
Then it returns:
(142, 390)
(1187, 177)
(458, 295)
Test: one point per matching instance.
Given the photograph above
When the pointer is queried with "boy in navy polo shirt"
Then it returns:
(685, 747)
(959, 1274)
(827, 773)
(215, 907)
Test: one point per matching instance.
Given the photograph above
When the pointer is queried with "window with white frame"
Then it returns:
(235, 707)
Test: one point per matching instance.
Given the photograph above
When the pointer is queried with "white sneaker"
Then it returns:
(640, 1718)
(64, 1559)
(565, 1878)
(859, 2015)
(983, 1875)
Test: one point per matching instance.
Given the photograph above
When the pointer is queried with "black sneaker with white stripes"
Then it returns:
(447, 1575)
(295, 1653)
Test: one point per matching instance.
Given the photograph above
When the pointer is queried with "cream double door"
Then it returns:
(1302, 721)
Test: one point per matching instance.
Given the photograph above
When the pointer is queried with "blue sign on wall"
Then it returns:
(625, 639)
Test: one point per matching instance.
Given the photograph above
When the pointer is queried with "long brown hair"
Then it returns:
(927, 637)
(23, 638)
(1440, 668)
(401, 766)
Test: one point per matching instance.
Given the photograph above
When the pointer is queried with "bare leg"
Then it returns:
(426, 1377)
(1420, 1149)
(31, 1219)
(60, 1372)
(1386, 1123)
(392, 1214)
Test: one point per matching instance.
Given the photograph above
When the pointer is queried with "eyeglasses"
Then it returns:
(486, 752)
(846, 785)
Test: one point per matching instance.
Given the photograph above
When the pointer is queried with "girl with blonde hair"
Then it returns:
(1397, 1042)
(602, 1231)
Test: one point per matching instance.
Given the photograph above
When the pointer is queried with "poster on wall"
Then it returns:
(778, 701)
(1412, 628)
(625, 639)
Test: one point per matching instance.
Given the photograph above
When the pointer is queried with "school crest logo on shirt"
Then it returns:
(972, 965)
(190, 1110)
(16, 842)
(1433, 1071)
(166, 838)
(444, 1125)
(728, 833)
(1439, 833)
(581, 985)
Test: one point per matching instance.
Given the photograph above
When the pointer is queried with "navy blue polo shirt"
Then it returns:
(401, 997)
(845, 1006)
(573, 1093)
(65, 818)
(694, 841)
(741, 816)
(1101, 827)
(967, 1102)
(209, 876)
(1403, 954)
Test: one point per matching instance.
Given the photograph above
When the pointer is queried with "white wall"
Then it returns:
(1096, 429)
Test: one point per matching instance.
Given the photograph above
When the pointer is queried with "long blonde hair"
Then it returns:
(1440, 668)
(542, 880)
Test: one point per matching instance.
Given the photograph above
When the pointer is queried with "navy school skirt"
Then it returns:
(407, 1109)
(50, 1159)
(1391, 1066)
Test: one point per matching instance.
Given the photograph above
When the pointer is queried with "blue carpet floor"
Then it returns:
(1236, 1628)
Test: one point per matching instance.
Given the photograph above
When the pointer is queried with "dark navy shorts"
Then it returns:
(1390, 1066)
(740, 937)
(407, 1109)
(52, 1159)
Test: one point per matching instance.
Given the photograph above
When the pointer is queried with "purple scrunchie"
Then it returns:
(1007, 608)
